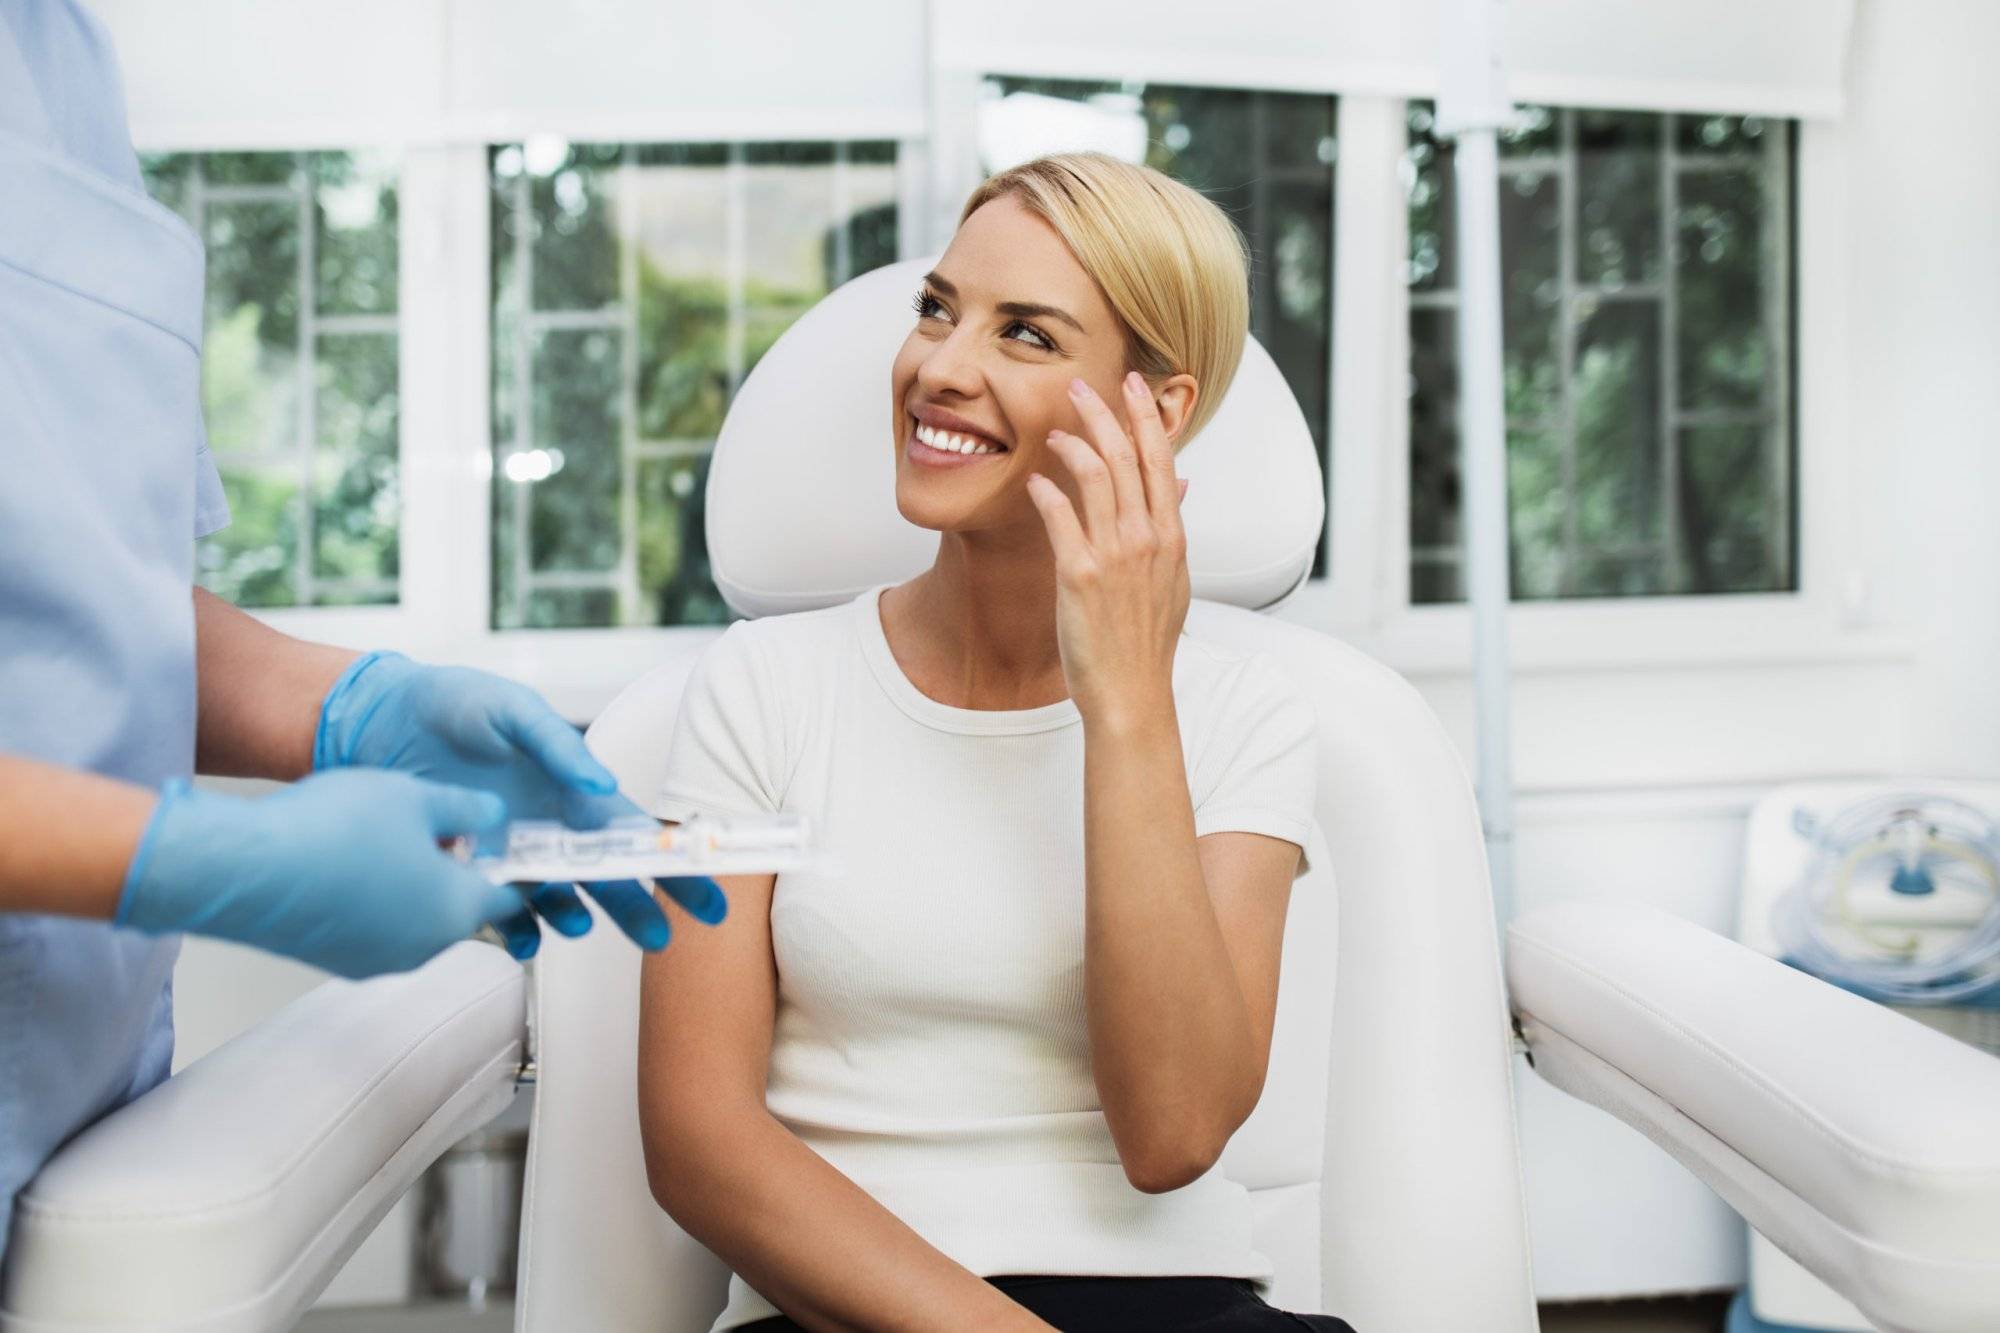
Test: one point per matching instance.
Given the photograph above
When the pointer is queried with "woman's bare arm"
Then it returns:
(1181, 941)
(797, 1230)
(1181, 946)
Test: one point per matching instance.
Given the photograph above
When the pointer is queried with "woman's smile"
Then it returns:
(942, 439)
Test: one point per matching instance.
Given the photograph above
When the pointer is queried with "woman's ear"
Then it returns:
(1176, 396)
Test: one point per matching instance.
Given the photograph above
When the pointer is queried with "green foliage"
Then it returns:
(1595, 508)
(253, 343)
(680, 378)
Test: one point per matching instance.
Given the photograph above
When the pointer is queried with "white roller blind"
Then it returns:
(297, 74)
(1773, 57)
(749, 68)
(300, 73)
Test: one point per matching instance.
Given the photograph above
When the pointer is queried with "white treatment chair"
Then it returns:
(1382, 1157)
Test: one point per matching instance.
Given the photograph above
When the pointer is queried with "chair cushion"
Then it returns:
(228, 1196)
(1858, 1140)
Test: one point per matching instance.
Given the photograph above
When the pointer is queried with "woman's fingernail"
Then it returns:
(1077, 388)
(1133, 382)
(1183, 488)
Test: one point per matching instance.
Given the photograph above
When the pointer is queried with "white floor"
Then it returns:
(1694, 1314)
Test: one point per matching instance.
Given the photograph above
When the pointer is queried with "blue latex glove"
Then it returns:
(340, 870)
(472, 729)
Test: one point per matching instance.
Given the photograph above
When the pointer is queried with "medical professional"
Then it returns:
(118, 680)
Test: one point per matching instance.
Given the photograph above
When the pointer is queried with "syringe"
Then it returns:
(543, 850)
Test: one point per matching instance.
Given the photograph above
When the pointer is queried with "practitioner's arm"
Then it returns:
(1181, 939)
(66, 837)
(807, 1238)
(258, 693)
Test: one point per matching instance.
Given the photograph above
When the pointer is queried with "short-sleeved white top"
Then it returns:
(930, 1039)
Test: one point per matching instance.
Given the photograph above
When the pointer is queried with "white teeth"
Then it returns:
(950, 443)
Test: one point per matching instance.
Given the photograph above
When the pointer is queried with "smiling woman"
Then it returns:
(1127, 263)
(982, 1074)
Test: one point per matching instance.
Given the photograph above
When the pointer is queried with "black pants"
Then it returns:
(1140, 1305)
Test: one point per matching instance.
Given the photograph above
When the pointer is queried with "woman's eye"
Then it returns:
(1041, 339)
(927, 306)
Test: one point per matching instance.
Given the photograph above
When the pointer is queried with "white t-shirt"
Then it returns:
(930, 1039)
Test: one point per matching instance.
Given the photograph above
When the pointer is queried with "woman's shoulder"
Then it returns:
(790, 642)
(1209, 670)
(1229, 689)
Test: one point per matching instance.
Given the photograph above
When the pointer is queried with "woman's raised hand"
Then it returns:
(1121, 566)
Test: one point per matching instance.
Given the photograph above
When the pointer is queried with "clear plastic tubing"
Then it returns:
(1918, 840)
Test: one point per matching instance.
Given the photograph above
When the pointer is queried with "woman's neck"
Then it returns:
(978, 629)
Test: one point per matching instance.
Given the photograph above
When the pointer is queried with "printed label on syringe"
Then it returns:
(641, 848)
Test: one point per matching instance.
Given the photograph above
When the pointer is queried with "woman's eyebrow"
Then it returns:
(1029, 310)
(1018, 309)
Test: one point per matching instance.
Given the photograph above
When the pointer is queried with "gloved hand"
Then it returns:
(456, 725)
(341, 870)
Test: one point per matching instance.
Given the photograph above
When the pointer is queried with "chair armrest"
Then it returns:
(1860, 1142)
(227, 1197)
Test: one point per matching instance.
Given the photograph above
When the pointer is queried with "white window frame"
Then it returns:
(445, 455)
(1367, 598)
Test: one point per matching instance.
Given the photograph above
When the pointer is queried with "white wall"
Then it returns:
(1643, 733)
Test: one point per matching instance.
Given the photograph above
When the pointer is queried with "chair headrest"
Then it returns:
(801, 501)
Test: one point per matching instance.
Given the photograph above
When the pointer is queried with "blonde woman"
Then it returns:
(980, 1077)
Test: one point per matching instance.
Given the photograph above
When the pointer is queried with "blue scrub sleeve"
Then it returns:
(211, 505)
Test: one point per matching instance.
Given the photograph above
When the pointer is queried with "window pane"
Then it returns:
(673, 545)
(1434, 474)
(658, 273)
(577, 436)
(570, 608)
(1531, 301)
(684, 203)
(1725, 519)
(354, 479)
(1427, 173)
(1725, 353)
(251, 561)
(1618, 197)
(1616, 502)
(1266, 159)
(571, 227)
(1536, 514)
(1642, 378)
(226, 169)
(354, 213)
(1751, 135)
(250, 352)
(299, 368)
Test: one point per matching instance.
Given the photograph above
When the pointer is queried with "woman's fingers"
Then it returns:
(1072, 548)
(1156, 452)
(1093, 482)
(1109, 440)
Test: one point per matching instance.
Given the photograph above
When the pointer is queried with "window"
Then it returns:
(299, 369)
(1648, 320)
(1266, 158)
(633, 288)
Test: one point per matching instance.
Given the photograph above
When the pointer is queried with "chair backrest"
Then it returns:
(1382, 1157)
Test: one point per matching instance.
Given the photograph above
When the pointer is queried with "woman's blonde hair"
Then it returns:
(1172, 264)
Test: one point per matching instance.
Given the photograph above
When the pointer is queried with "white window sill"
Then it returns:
(582, 670)
(1653, 634)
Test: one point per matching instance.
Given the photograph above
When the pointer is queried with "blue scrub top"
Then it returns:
(105, 482)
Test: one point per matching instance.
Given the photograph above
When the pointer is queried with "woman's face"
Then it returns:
(1003, 324)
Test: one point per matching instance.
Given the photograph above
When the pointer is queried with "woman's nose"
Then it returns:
(951, 366)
